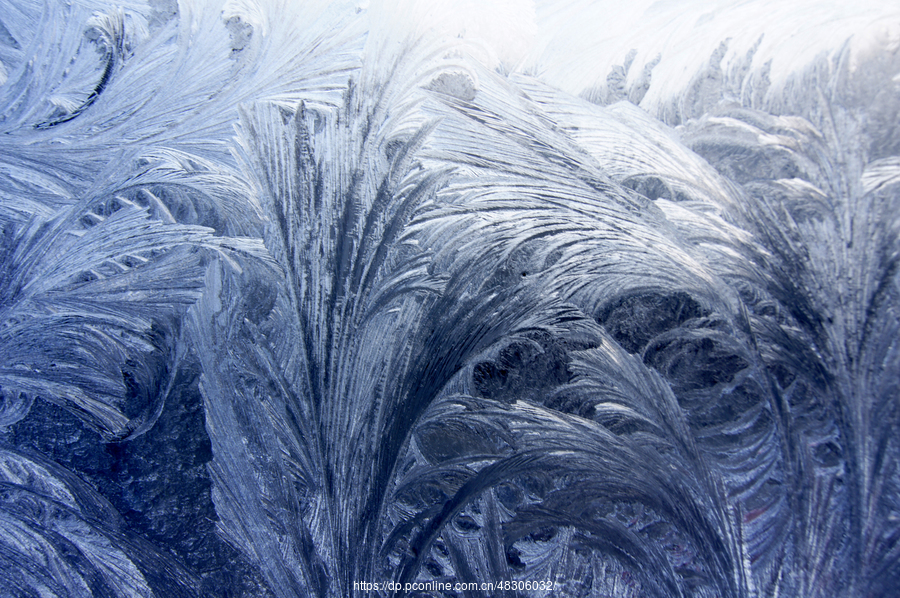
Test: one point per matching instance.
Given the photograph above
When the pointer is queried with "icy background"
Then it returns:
(300, 294)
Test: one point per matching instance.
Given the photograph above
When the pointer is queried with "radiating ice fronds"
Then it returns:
(337, 186)
(522, 485)
(87, 308)
(354, 244)
(100, 179)
(675, 57)
(633, 148)
(60, 538)
(295, 296)
(120, 85)
(820, 318)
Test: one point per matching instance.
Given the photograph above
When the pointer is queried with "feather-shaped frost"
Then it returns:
(451, 323)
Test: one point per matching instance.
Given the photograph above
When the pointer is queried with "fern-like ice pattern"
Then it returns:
(299, 295)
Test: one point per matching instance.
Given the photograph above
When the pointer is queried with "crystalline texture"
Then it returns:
(298, 298)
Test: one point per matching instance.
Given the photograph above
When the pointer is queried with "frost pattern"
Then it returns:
(291, 301)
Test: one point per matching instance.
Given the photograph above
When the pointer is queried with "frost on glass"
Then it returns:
(351, 299)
